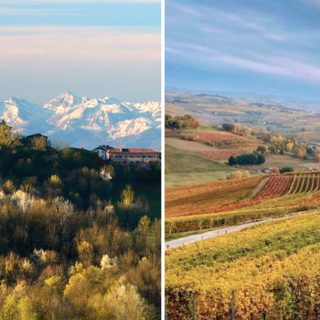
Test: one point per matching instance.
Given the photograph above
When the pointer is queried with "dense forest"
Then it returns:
(76, 241)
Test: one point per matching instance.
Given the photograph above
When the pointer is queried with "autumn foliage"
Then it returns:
(270, 270)
(240, 200)
(215, 138)
(65, 252)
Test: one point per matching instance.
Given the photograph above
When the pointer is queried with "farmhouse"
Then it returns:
(102, 151)
(129, 156)
(133, 156)
(313, 145)
(39, 136)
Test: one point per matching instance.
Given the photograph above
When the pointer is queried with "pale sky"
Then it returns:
(92, 48)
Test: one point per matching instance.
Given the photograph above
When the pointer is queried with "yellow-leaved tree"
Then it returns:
(127, 196)
(144, 224)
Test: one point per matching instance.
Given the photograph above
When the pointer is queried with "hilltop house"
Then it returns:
(129, 156)
(102, 149)
(313, 145)
(39, 136)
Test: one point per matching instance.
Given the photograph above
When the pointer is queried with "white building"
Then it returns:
(102, 149)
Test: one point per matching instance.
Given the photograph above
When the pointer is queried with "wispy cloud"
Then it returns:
(263, 64)
(224, 21)
(311, 2)
(182, 8)
(274, 36)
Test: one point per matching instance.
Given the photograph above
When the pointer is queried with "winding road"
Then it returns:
(219, 232)
(210, 234)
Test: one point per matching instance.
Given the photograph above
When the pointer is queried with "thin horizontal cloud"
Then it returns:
(274, 36)
(88, 45)
(74, 29)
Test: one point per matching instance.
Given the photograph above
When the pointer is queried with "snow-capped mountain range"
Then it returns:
(87, 123)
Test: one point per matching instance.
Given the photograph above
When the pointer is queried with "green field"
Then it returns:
(187, 168)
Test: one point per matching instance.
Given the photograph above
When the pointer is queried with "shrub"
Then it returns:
(262, 149)
(229, 127)
(235, 175)
(286, 169)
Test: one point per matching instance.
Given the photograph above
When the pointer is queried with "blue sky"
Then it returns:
(266, 47)
(93, 48)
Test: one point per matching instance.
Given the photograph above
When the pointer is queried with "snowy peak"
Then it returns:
(108, 100)
(87, 122)
(20, 113)
(130, 127)
(149, 106)
(64, 102)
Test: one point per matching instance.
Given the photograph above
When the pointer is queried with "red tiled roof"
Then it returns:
(130, 150)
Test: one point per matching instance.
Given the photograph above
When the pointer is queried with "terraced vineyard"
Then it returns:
(270, 271)
(305, 183)
(276, 186)
(209, 197)
(232, 203)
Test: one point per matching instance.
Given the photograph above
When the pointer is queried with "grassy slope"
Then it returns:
(188, 168)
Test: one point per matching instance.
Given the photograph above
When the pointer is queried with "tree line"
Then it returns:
(247, 159)
(181, 122)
